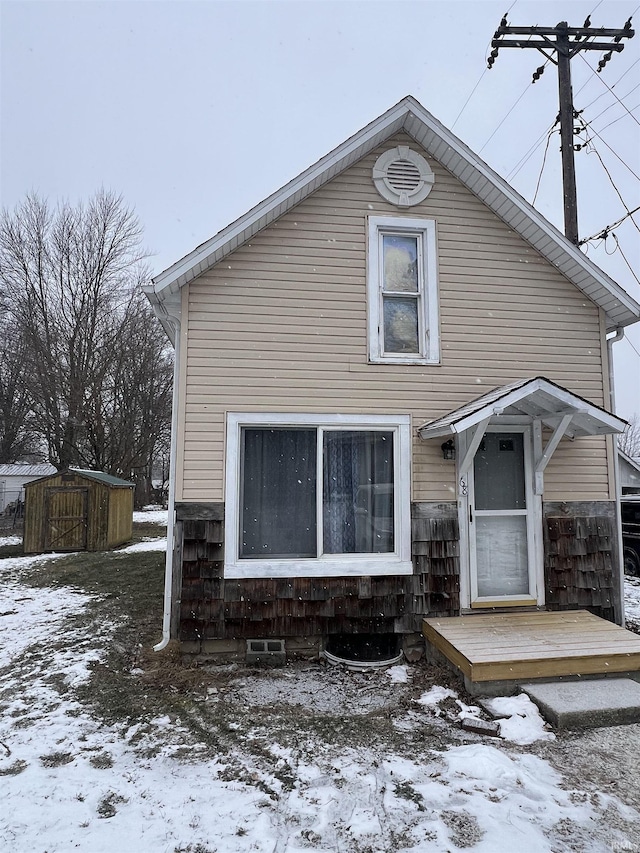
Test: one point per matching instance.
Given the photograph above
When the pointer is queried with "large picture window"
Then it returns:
(402, 290)
(314, 496)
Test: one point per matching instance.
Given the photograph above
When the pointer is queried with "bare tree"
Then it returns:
(17, 436)
(629, 441)
(70, 279)
(130, 403)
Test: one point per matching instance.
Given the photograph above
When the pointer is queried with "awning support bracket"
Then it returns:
(473, 446)
(547, 453)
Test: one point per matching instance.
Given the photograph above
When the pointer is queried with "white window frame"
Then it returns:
(428, 323)
(397, 562)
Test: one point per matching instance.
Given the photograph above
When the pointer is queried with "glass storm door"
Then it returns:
(500, 521)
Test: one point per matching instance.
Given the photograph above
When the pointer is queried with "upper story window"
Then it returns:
(402, 291)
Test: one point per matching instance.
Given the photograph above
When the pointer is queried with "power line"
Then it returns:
(544, 160)
(624, 257)
(604, 142)
(464, 106)
(632, 345)
(526, 157)
(504, 119)
(602, 94)
(469, 98)
(611, 181)
(633, 109)
(602, 235)
(609, 88)
(611, 106)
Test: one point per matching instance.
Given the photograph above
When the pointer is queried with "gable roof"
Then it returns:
(98, 476)
(440, 143)
(629, 470)
(101, 477)
(26, 469)
(537, 398)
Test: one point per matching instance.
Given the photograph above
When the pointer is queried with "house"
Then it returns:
(629, 467)
(391, 402)
(629, 473)
(13, 479)
(77, 510)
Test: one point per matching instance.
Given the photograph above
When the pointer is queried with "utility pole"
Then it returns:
(556, 45)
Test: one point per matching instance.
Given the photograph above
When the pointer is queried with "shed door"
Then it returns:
(66, 519)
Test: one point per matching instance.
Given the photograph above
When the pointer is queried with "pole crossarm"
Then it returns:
(573, 48)
(582, 32)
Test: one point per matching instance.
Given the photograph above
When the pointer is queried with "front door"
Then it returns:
(501, 521)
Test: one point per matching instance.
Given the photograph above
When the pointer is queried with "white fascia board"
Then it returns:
(563, 250)
(496, 405)
(163, 308)
(288, 196)
(630, 461)
(409, 115)
(439, 432)
(568, 400)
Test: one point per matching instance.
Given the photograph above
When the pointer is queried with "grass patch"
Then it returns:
(406, 791)
(107, 805)
(7, 551)
(56, 759)
(13, 769)
(128, 594)
(103, 761)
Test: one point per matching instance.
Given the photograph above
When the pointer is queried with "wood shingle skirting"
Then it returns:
(212, 607)
(580, 552)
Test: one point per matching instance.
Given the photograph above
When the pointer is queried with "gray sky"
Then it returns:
(195, 111)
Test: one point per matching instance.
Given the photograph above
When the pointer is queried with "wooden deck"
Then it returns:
(517, 646)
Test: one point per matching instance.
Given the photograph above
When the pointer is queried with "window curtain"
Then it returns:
(357, 492)
(278, 500)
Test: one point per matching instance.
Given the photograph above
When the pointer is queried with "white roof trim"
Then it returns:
(634, 463)
(409, 115)
(536, 399)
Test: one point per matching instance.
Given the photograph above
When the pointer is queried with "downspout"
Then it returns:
(174, 320)
(619, 335)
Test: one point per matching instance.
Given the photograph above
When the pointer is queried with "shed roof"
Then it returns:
(101, 477)
(440, 143)
(98, 476)
(536, 398)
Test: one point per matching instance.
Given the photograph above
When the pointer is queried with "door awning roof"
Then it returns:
(536, 399)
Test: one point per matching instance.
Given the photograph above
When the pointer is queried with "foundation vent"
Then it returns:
(267, 652)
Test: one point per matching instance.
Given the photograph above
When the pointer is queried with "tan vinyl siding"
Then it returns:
(281, 326)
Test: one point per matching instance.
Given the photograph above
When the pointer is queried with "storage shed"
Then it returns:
(77, 510)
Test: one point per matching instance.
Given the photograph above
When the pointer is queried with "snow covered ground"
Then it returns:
(151, 516)
(300, 759)
(632, 603)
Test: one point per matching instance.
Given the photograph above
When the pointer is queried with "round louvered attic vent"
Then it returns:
(403, 176)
